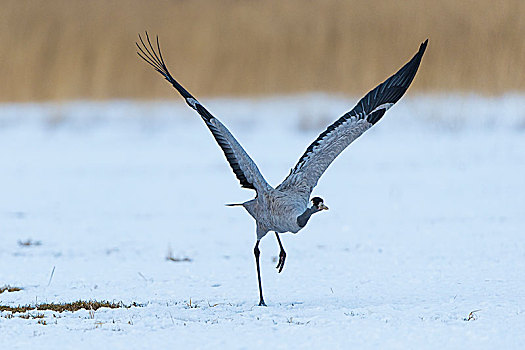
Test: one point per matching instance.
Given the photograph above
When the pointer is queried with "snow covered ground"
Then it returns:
(426, 224)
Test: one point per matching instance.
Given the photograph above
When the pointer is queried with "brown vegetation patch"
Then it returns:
(9, 289)
(29, 243)
(171, 257)
(74, 306)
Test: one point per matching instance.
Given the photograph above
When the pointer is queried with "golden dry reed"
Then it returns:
(71, 49)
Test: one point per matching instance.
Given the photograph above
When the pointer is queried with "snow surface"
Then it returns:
(426, 224)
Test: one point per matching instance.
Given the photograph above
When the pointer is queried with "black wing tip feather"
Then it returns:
(423, 47)
(149, 55)
(404, 76)
(410, 69)
(154, 58)
(392, 89)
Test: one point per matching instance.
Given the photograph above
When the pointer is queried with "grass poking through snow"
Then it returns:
(29, 243)
(74, 306)
(25, 312)
(170, 257)
(9, 289)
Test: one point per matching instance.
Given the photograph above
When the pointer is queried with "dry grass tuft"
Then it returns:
(74, 306)
(9, 289)
(31, 316)
(189, 305)
(170, 257)
(185, 259)
(472, 316)
(67, 49)
(29, 243)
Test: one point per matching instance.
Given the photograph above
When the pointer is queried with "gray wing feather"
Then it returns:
(305, 175)
(368, 111)
(242, 165)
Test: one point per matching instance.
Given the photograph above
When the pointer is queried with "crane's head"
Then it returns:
(318, 204)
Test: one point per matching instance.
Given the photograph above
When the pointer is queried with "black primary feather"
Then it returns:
(389, 92)
(154, 58)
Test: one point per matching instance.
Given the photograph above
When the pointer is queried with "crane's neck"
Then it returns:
(304, 217)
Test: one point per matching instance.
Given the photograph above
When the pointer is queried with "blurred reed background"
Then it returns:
(71, 49)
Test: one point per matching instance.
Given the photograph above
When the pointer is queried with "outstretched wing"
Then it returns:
(242, 165)
(368, 111)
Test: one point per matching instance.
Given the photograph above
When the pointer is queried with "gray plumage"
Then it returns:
(285, 208)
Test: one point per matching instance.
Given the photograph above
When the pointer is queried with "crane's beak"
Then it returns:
(323, 207)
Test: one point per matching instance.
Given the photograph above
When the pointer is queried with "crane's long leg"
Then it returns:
(257, 252)
(282, 255)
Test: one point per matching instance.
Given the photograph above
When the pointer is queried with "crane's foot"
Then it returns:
(282, 258)
(262, 303)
